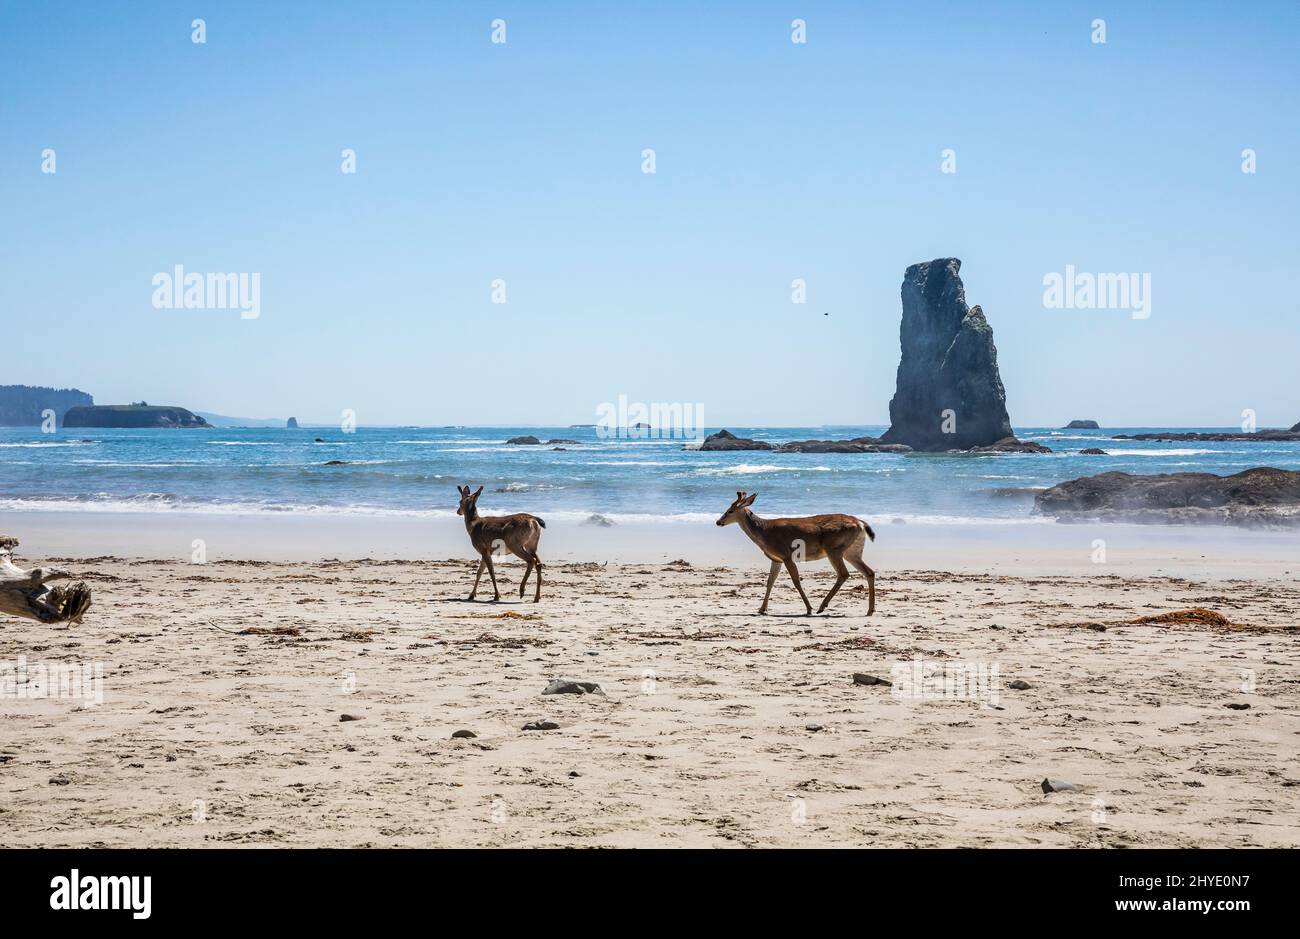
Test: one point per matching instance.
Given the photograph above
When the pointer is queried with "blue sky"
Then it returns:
(522, 161)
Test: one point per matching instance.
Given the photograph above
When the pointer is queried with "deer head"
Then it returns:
(467, 499)
(737, 508)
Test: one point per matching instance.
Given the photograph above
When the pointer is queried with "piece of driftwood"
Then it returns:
(28, 594)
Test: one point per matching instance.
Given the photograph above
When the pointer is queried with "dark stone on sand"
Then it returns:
(726, 440)
(1082, 425)
(813, 728)
(350, 717)
(60, 780)
(1093, 451)
(1097, 627)
(948, 363)
(464, 735)
(1060, 785)
(1238, 706)
(1020, 685)
(861, 678)
(526, 440)
(565, 686)
(1263, 496)
(541, 725)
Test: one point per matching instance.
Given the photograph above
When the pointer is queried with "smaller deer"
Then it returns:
(787, 540)
(519, 533)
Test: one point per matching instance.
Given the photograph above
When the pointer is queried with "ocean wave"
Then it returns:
(1110, 452)
(46, 445)
(754, 469)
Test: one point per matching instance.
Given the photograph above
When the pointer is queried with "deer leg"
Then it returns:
(477, 578)
(794, 575)
(871, 582)
(492, 571)
(524, 583)
(841, 575)
(771, 579)
(537, 597)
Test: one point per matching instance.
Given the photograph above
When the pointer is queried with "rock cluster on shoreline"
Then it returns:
(1260, 497)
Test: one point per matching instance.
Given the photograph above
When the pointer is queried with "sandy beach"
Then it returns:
(716, 727)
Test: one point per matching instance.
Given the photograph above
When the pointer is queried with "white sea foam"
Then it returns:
(754, 469)
(46, 445)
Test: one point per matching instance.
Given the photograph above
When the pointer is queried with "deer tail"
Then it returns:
(539, 521)
(867, 528)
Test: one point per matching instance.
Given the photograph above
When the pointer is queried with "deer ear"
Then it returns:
(739, 495)
(750, 500)
(460, 490)
(480, 489)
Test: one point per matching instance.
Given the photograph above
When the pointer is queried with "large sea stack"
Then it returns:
(949, 363)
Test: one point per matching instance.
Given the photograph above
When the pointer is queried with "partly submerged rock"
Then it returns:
(526, 440)
(1082, 425)
(1263, 496)
(1093, 451)
(1258, 436)
(726, 440)
(1011, 445)
(856, 445)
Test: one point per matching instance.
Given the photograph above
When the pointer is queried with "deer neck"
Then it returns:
(752, 526)
(471, 518)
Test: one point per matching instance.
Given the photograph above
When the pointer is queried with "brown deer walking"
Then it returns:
(519, 533)
(787, 540)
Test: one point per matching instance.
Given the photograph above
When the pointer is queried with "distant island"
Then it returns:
(25, 405)
(1082, 425)
(132, 415)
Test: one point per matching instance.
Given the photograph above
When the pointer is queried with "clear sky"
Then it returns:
(523, 161)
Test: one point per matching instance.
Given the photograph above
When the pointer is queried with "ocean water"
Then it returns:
(414, 471)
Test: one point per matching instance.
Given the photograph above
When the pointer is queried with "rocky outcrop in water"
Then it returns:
(24, 405)
(1082, 425)
(1260, 497)
(726, 440)
(132, 415)
(856, 445)
(1262, 436)
(528, 440)
(949, 394)
(291, 424)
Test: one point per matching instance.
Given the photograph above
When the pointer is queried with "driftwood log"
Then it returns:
(27, 593)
